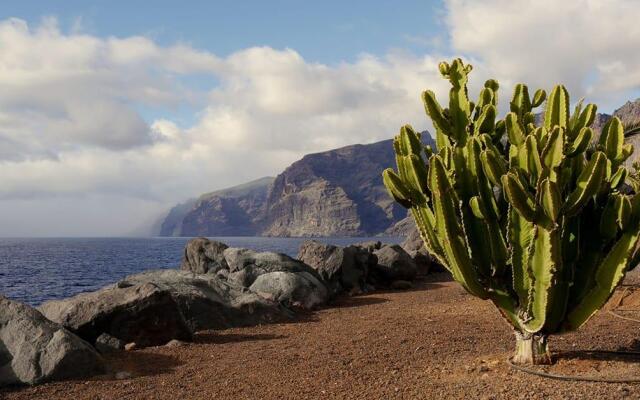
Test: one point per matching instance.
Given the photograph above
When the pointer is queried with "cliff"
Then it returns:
(332, 193)
(234, 211)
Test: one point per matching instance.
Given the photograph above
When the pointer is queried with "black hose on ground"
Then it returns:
(586, 378)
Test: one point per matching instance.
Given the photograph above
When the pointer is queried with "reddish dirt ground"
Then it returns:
(433, 342)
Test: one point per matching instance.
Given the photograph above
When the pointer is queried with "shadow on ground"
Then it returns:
(213, 337)
(599, 355)
(142, 363)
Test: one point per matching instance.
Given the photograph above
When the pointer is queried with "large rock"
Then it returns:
(394, 264)
(246, 265)
(414, 246)
(425, 262)
(344, 269)
(35, 350)
(300, 289)
(202, 255)
(142, 313)
(210, 302)
(275, 276)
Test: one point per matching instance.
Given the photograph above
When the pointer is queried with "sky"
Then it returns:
(112, 112)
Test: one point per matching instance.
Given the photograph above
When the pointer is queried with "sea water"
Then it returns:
(33, 270)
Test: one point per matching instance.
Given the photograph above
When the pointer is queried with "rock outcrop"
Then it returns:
(202, 255)
(424, 261)
(394, 264)
(272, 276)
(302, 289)
(207, 301)
(35, 350)
(344, 269)
(336, 192)
(139, 312)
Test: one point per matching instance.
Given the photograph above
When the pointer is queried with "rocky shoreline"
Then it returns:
(216, 287)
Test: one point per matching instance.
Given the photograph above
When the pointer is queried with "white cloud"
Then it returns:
(70, 126)
(73, 133)
(61, 91)
(589, 45)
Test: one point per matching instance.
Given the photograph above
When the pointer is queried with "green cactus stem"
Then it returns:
(509, 207)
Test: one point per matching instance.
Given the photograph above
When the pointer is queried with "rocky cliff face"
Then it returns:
(333, 193)
(235, 211)
(337, 192)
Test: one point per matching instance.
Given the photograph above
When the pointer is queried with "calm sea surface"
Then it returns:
(35, 270)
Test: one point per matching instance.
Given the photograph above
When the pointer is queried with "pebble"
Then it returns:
(123, 375)
(176, 343)
(130, 346)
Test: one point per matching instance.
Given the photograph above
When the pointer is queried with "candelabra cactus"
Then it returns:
(530, 217)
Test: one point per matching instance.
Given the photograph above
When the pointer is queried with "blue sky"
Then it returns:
(324, 31)
(328, 32)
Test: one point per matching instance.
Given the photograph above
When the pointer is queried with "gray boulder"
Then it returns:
(202, 256)
(209, 302)
(245, 265)
(142, 313)
(35, 350)
(425, 262)
(299, 289)
(394, 264)
(343, 269)
(370, 246)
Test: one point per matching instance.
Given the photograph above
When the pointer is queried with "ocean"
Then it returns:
(33, 270)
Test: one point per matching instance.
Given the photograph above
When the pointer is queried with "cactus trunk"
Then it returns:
(531, 349)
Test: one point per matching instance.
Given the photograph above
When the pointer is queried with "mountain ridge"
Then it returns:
(337, 192)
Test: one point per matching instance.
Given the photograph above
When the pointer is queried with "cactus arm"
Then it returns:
(608, 275)
(479, 253)
(532, 155)
(519, 197)
(425, 222)
(618, 178)
(440, 121)
(557, 112)
(448, 228)
(615, 139)
(552, 154)
(409, 141)
(520, 102)
(514, 131)
(586, 118)
(609, 219)
(550, 198)
(520, 233)
(588, 184)
(539, 97)
(545, 264)
(459, 108)
(417, 173)
(493, 166)
(396, 188)
(486, 120)
(581, 142)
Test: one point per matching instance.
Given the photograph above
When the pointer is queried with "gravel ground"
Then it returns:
(433, 342)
